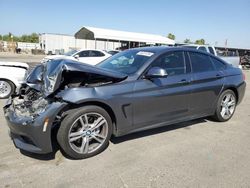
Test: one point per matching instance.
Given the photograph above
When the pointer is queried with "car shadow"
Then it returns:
(117, 140)
(42, 157)
(149, 132)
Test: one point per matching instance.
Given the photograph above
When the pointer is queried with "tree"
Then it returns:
(171, 36)
(200, 42)
(188, 41)
(34, 38)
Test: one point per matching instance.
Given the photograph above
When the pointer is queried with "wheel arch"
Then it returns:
(13, 83)
(234, 89)
(6, 79)
(103, 105)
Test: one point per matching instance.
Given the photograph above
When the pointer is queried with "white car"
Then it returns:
(88, 56)
(12, 75)
(233, 60)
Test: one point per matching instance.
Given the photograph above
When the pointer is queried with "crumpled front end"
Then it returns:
(31, 122)
(32, 113)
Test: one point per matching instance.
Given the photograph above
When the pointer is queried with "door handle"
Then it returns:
(218, 76)
(184, 81)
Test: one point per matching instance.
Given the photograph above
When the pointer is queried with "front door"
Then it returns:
(163, 99)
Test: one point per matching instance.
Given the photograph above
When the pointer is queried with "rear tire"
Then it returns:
(226, 106)
(7, 88)
(85, 132)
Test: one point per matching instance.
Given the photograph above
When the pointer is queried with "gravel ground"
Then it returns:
(199, 153)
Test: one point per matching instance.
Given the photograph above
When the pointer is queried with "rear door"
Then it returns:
(207, 83)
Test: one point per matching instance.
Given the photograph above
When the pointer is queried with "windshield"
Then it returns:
(71, 52)
(128, 62)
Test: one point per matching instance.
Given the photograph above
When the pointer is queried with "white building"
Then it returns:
(98, 38)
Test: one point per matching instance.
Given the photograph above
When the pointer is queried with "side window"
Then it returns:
(202, 48)
(96, 54)
(84, 53)
(200, 62)
(219, 65)
(172, 62)
(211, 50)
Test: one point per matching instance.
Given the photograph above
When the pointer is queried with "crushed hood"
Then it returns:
(55, 73)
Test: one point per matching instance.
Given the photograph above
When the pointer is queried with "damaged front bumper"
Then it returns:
(32, 134)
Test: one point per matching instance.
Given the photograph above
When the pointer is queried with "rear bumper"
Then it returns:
(29, 133)
(241, 92)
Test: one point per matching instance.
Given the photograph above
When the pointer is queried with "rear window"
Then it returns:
(219, 65)
(200, 62)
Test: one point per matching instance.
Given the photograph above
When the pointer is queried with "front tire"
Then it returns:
(85, 132)
(225, 106)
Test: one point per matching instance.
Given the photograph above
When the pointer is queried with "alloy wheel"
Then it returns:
(88, 133)
(228, 104)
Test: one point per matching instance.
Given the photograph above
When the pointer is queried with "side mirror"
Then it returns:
(76, 56)
(156, 72)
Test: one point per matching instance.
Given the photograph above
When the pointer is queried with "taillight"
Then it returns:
(244, 76)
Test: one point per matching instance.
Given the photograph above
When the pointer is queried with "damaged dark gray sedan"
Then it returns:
(82, 106)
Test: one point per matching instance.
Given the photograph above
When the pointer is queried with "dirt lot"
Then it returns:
(199, 153)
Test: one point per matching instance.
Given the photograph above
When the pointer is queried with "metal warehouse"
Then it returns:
(98, 38)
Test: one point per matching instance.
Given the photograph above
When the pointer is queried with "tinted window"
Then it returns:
(83, 53)
(218, 64)
(211, 50)
(200, 62)
(173, 63)
(96, 54)
(202, 49)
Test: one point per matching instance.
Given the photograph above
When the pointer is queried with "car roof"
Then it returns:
(163, 49)
(85, 49)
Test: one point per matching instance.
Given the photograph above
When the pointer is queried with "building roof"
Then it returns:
(92, 33)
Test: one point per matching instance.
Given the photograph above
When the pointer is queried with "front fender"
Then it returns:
(120, 104)
(80, 95)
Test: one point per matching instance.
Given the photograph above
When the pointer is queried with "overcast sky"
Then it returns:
(213, 20)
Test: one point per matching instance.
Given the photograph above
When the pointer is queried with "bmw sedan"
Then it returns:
(82, 106)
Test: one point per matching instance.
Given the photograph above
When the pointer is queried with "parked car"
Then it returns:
(233, 60)
(12, 74)
(88, 56)
(82, 105)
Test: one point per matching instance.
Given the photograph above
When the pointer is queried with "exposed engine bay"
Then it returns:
(29, 102)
